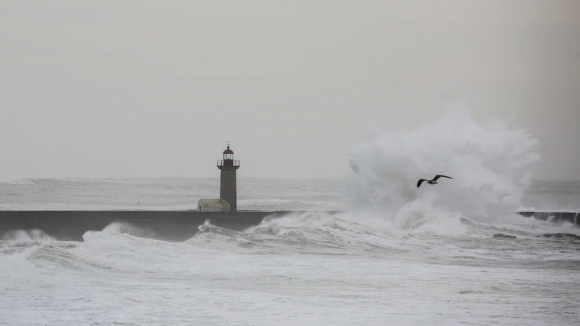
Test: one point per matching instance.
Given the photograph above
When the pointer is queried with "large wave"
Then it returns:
(491, 166)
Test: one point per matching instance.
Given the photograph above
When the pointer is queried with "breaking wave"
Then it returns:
(491, 166)
(306, 233)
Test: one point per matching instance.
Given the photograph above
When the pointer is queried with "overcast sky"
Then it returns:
(156, 88)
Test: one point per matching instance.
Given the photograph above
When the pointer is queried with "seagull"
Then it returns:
(434, 181)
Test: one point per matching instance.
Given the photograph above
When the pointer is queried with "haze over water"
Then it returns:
(396, 254)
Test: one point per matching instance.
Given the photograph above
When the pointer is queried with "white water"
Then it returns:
(491, 167)
(400, 256)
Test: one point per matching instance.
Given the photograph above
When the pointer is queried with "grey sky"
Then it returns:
(155, 88)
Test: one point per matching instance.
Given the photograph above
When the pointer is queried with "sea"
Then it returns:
(368, 248)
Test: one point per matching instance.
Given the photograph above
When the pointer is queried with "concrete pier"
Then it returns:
(163, 225)
(558, 217)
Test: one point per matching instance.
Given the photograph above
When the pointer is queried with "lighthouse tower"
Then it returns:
(228, 167)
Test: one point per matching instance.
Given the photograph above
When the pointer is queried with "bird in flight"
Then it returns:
(434, 181)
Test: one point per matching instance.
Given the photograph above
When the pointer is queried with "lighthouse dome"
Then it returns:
(228, 151)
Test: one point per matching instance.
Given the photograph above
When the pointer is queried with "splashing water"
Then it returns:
(491, 167)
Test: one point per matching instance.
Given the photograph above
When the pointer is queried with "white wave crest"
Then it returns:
(309, 233)
(26, 236)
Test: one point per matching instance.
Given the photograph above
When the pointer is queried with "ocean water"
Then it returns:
(269, 194)
(395, 254)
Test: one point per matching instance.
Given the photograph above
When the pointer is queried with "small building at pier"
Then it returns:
(213, 205)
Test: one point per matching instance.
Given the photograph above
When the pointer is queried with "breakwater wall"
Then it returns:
(558, 217)
(162, 225)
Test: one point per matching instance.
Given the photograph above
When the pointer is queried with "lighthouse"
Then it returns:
(228, 167)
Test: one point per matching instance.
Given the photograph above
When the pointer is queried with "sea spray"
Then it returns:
(491, 166)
